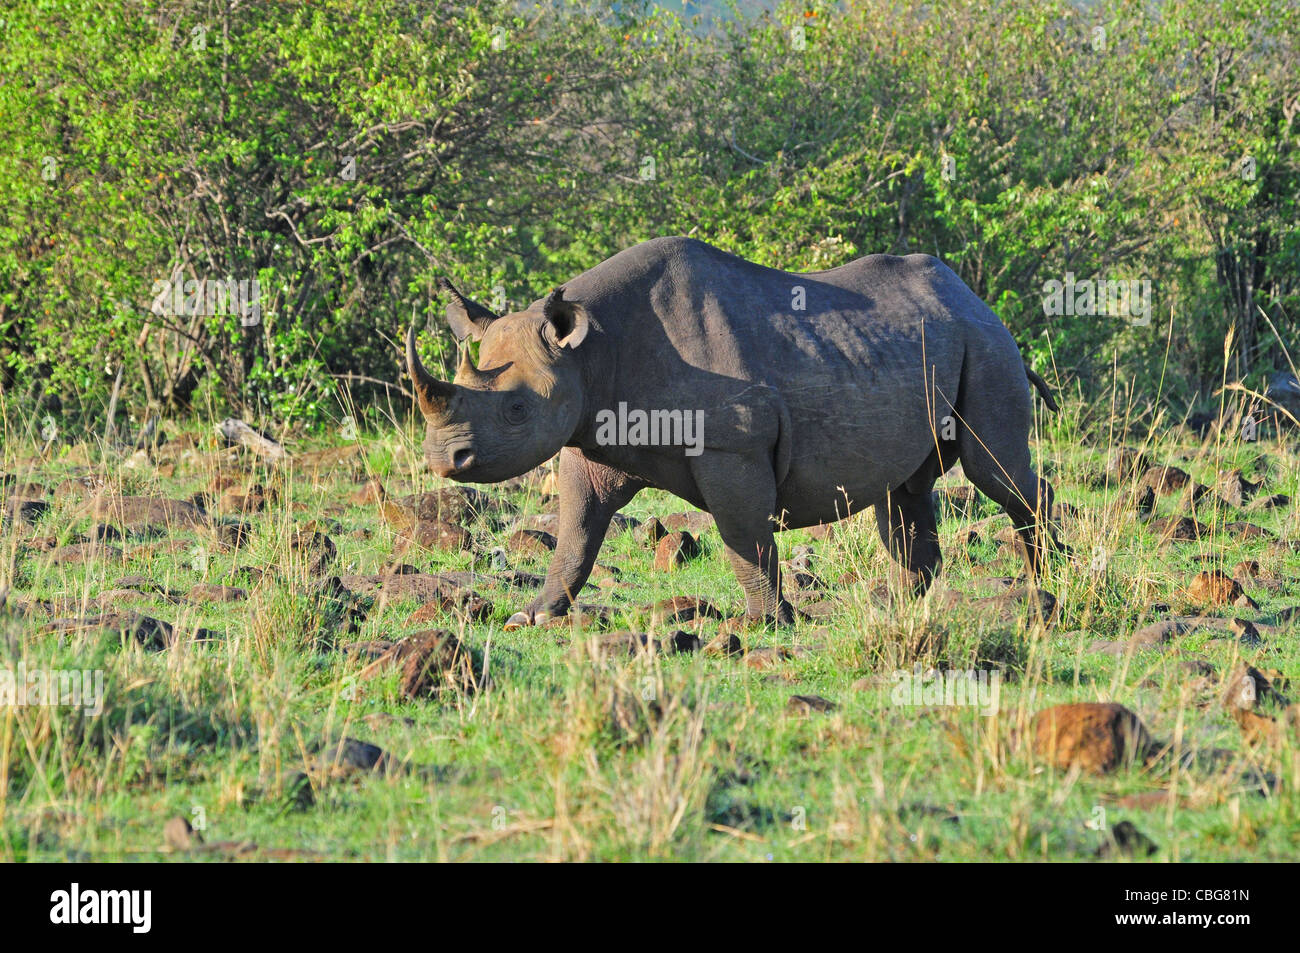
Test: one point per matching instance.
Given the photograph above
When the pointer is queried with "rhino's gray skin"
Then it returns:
(809, 415)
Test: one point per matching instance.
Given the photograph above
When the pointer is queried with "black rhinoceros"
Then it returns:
(819, 394)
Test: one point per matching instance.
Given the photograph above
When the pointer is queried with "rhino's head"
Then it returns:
(519, 406)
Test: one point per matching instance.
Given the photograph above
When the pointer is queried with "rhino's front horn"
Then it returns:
(431, 393)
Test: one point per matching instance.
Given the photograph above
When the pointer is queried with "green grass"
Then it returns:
(534, 768)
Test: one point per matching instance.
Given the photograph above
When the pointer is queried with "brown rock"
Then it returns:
(372, 492)
(1215, 588)
(433, 535)
(431, 661)
(682, 609)
(530, 542)
(1125, 463)
(807, 704)
(675, 549)
(316, 549)
(1164, 480)
(651, 531)
(768, 657)
(1093, 736)
(207, 592)
(144, 511)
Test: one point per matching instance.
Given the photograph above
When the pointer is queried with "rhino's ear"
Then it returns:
(568, 321)
(468, 319)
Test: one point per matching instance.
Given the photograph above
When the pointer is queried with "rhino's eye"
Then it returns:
(516, 411)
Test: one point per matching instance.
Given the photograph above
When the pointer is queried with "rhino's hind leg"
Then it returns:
(1001, 470)
(906, 521)
(741, 494)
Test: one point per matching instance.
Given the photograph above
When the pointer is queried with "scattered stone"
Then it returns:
(317, 549)
(1093, 736)
(1125, 463)
(650, 532)
(674, 550)
(204, 593)
(179, 835)
(435, 535)
(768, 657)
(1215, 588)
(372, 492)
(1177, 529)
(530, 543)
(136, 512)
(808, 704)
(1125, 840)
(681, 609)
(1234, 489)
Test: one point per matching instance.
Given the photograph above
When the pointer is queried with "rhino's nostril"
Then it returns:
(462, 459)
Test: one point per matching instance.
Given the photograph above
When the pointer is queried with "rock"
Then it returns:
(634, 643)
(146, 511)
(150, 632)
(179, 835)
(79, 553)
(768, 657)
(348, 757)
(231, 534)
(807, 704)
(206, 593)
(296, 793)
(530, 543)
(1268, 502)
(458, 505)
(651, 531)
(314, 549)
(1164, 480)
(1246, 569)
(1125, 840)
(822, 531)
(1234, 489)
(1215, 588)
(725, 644)
(80, 487)
(317, 462)
(435, 535)
(464, 603)
(1094, 736)
(674, 550)
(253, 501)
(26, 511)
(1253, 702)
(1246, 531)
(681, 609)
(1125, 463)
(372, 492)
(1177, 528)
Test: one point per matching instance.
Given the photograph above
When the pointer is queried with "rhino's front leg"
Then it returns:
(590, 494)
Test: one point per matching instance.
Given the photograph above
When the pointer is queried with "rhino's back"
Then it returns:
(732, 317)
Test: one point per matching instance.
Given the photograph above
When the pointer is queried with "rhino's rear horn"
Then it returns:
(431, 393)
(467, 318)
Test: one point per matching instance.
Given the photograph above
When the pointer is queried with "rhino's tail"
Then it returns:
(1041, 386)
